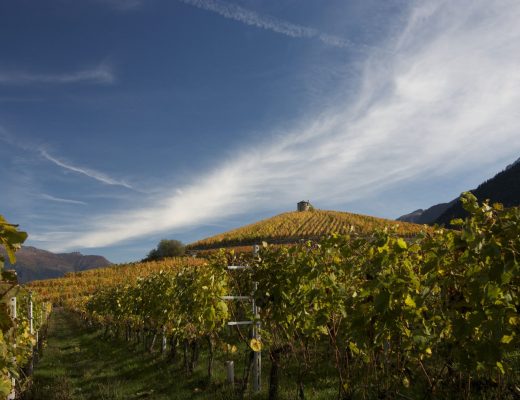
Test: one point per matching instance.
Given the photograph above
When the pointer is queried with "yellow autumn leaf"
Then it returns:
(406, 382)
(255, 345)
(506, 339)
(500, 367)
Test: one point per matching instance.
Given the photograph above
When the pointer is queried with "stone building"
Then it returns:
(304, 205)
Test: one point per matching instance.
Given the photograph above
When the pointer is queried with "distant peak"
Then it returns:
(513, 164)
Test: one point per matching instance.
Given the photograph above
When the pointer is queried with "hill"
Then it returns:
(76, 285)
(427, 216)
(503, 188)
(32, 263)
(290, 227)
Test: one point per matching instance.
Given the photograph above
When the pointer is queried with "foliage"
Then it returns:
(16, 338)
(441, 311)
(419, 317)
(11, 239)
(166, 248)
(73, 289)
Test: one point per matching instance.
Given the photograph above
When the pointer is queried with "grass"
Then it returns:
(78, 363)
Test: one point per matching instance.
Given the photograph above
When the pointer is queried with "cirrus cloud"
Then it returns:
(441, 97)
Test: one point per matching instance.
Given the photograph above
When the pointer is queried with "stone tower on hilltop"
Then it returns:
(304, 205)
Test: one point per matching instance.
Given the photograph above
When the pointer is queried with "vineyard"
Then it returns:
(434, 316)
(292, 227)
(22, 317)
(75, 286)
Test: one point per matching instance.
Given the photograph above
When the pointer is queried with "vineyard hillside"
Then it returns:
(291, 227)
(76, 285)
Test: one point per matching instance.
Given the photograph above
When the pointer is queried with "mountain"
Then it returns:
(290, 227)
(503, 188)
(427, 216)
(32, 263)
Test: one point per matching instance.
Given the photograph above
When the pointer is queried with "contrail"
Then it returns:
(62, 200)
(102, 74)
(98, 176)
(248, 17)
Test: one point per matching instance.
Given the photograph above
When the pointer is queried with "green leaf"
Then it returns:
(500, 367)
(409, 302)
(402, 244)
(352, 346)
(506, 339)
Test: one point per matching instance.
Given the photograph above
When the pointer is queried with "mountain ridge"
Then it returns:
(33, 263)
(503, 187)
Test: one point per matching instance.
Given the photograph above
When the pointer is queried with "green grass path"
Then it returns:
(77, 363)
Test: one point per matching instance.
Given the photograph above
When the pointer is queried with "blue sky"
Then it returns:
(125, 121)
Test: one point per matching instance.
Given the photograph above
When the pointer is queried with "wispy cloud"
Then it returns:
(62, 200)
(442, 98)
(270, 23)
(32, 147)
(123, 5)
(102, 74)
(98, 176)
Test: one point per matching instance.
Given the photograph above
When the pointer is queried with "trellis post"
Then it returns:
(257, 355)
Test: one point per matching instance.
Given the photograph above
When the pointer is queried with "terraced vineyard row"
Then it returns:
(293, 226)
(75, 286)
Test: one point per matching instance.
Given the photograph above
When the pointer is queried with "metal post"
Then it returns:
(257, 355)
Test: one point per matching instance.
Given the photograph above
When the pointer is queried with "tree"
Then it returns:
(166, 248)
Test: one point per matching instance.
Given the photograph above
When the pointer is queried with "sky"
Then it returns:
(123, 122)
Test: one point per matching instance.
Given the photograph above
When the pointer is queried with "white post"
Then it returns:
(12, 395)
(12, 306)
(31, 328)
(163, 347)
(12, 303)
(230, 372)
